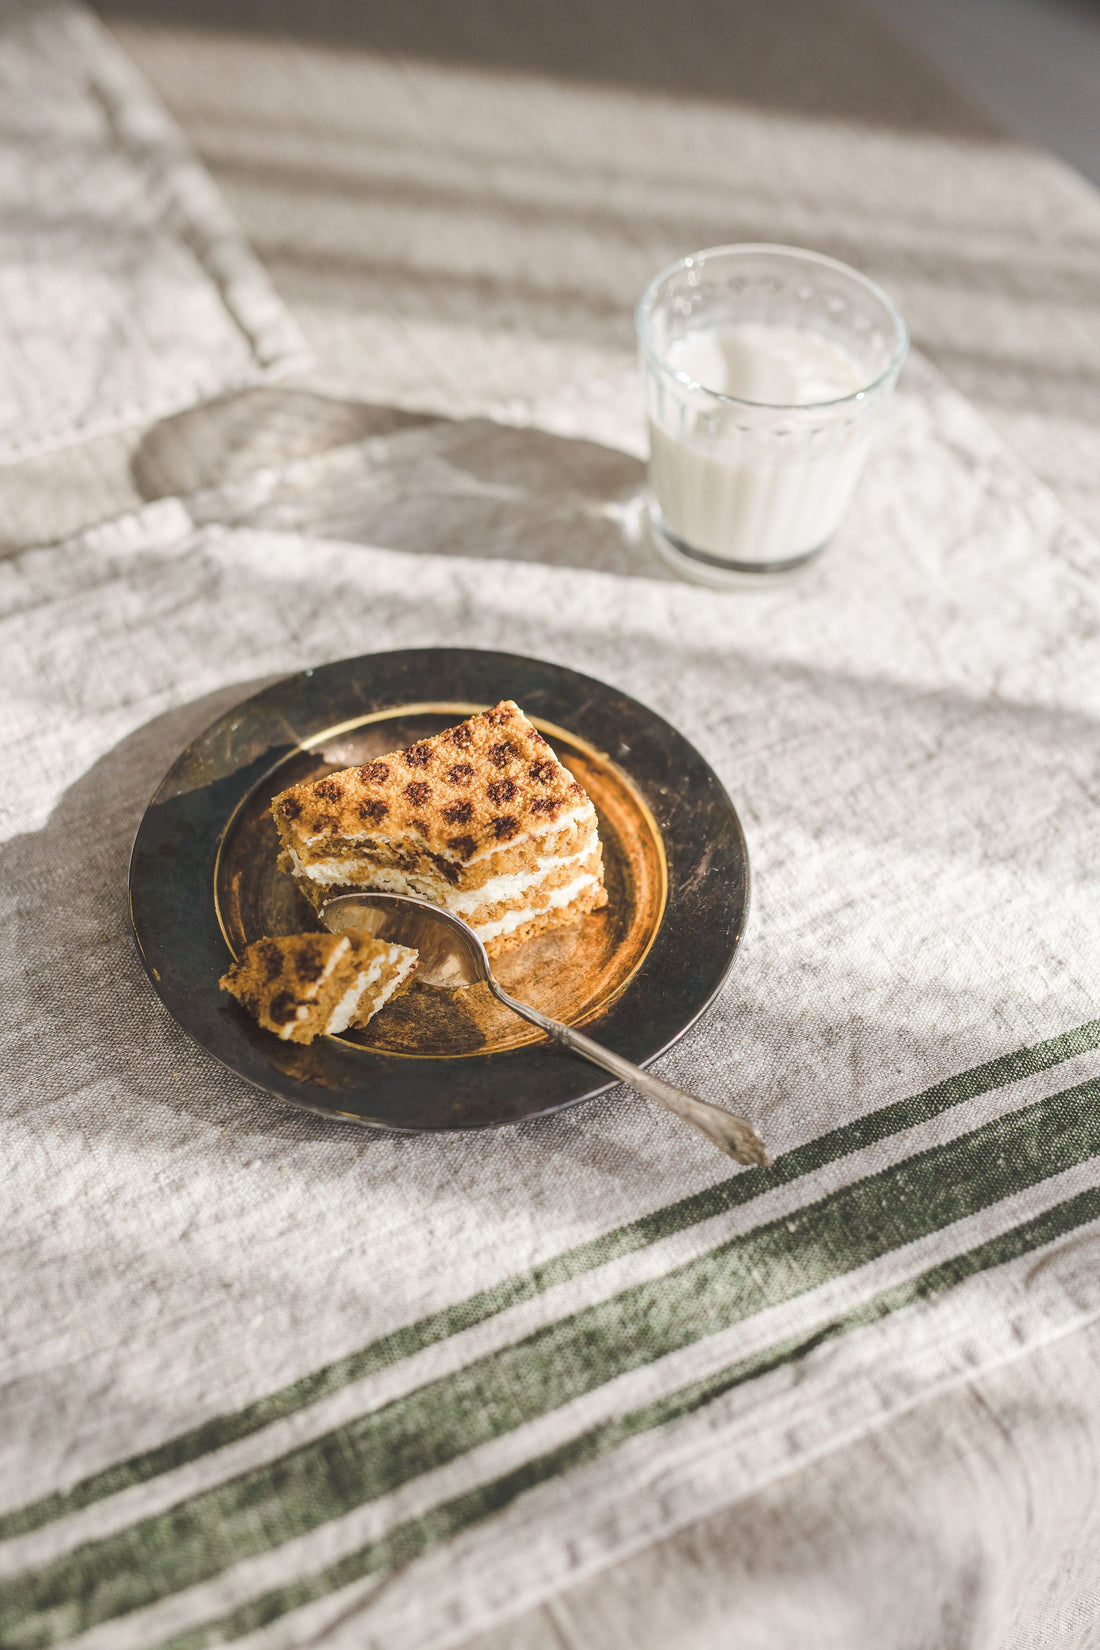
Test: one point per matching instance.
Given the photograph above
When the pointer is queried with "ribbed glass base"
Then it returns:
(705, 568)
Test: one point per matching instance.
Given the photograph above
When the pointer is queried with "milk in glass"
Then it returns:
(767, 481)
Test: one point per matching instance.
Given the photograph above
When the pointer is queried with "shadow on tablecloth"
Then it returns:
(849, 64)
(89, 1018)
(301, 462)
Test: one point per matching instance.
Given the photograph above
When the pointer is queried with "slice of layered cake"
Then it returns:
(302, 985)
(481, 819)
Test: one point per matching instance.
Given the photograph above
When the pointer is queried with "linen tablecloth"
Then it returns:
(275, 1379)
(126, 288)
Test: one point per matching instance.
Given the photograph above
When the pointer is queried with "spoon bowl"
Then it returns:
(450, 954)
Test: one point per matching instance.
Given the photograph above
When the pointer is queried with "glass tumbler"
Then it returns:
(764, 368)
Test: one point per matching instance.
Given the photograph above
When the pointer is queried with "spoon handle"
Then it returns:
(731, 1134)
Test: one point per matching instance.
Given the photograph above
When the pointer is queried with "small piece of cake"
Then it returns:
(302, 985)
(481, 819)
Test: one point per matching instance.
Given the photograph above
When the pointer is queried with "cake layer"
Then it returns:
(328, 861)
(533, 857)
(384, 826)
(585, 890)
(528, 890)
(383, 978)
(455, 798)
(301, 986)
(342, 1015)
(580, 885)
(592, 897)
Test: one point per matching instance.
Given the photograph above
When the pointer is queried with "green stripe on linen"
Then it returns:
(442, 1420)
(637, 1234)
(407, 1541)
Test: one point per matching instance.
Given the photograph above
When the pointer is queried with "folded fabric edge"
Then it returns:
(206, 225)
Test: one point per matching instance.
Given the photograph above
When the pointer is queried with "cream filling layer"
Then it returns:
(497, 891)
(329, 872)
(340, 1018)
(398, 957)
(563, 823)
(511, 884)
(511, 920)
(404, 962)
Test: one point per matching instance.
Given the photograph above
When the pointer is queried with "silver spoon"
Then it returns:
(452, 956)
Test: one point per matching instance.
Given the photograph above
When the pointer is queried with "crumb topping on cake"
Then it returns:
(475, 785)
(277, 979)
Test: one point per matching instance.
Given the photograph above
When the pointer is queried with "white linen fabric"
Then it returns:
(126, 289)
(271, 1380)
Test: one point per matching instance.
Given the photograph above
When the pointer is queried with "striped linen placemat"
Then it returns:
(127, 291)
(270, 1380)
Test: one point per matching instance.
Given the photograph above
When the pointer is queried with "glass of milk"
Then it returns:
(764, 370)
